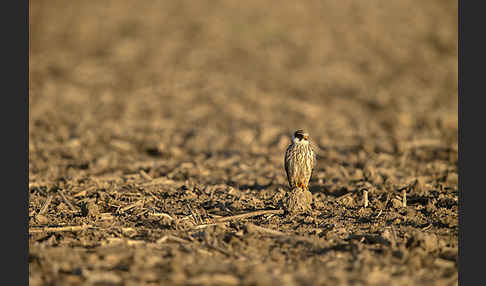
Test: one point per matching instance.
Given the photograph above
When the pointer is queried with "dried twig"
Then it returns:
(250, 214)
(136, 204)
(46, 204)
(162, 215)
(145, 175)
(384, 205)
(60, 229)
(171, 238)
(84, 192)
(200, 226)
(379, 213)
(196, 217)
(404, 198)
(66, 201)
(341, 197)
(253, 227)
(365, 198)
(219, 249)
(224, 220)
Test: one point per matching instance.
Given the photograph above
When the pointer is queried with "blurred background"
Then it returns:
(203, 96)
(114, 82)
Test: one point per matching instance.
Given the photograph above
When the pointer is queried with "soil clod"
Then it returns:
(298, 200)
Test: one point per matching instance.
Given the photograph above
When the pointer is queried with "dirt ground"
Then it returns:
(154, 124)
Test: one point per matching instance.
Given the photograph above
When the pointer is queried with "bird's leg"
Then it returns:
(303, 186)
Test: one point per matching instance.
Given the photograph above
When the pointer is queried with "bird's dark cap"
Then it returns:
(299, 132)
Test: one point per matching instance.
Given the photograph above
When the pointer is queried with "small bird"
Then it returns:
(300, 159)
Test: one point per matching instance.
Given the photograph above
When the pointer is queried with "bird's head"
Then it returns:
(300, 137)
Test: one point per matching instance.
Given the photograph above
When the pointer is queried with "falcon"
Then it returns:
(300, 159)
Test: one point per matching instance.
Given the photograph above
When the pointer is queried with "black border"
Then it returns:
(15, 119)
(461, 280)
(471, 170)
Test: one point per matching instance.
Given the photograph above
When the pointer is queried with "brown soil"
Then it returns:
(151, 122)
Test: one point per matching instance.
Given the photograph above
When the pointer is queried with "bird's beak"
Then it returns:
(305, 137)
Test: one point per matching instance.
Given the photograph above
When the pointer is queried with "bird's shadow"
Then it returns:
(326, 190)
(255, 186)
